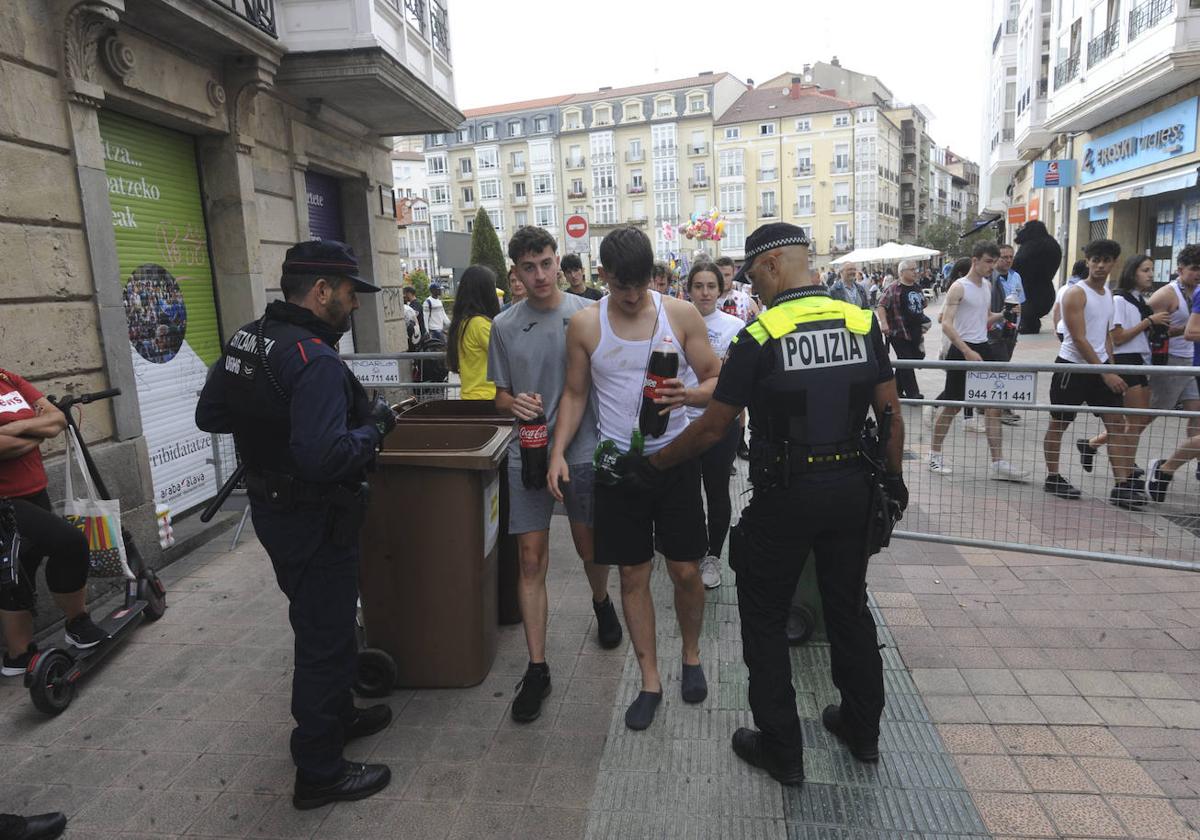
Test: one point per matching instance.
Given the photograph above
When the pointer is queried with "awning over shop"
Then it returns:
(1161, 182)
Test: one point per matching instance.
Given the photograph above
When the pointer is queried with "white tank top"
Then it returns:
(619, 374)
(1179, 345)
(970, 320)
(1098, 321)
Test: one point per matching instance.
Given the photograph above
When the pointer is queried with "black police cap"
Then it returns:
(768, 238)
(326, 257)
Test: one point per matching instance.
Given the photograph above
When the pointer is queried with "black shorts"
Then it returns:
(1133, 380)
(1068, 388)
(956, 380)
(626, 521)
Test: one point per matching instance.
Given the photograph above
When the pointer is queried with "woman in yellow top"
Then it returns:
(475, 305)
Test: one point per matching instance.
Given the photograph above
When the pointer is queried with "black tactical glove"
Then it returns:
(381, 417)
(638, 473)
(897, 491)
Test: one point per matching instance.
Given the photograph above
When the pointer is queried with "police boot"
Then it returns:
(749, 747)
(864, 749)
(356, 781)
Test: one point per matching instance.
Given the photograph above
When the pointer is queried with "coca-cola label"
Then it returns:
(652, 385)
(533, 436)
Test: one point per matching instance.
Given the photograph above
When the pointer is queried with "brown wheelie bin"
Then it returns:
(507, 562)
(429, 543)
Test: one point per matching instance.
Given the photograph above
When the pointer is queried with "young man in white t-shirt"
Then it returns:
(436, 320)
(1087, 310)
(965, 321)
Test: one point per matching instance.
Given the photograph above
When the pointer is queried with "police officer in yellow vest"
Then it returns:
(808, 369)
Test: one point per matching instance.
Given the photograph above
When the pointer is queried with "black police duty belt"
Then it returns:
(802, 458)
(282, 489)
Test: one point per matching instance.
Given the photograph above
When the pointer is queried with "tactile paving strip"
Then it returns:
(681, 779)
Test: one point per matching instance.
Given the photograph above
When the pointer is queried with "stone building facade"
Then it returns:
(157, 158)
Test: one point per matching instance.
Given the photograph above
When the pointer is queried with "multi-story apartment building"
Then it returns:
(916, 170)
(1112, 90)
(964, 188)
(643, 155)
(189, 145)
(999, 153)
(410, 185)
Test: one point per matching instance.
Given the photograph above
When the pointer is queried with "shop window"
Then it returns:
(1164, 236)
(1192, 234)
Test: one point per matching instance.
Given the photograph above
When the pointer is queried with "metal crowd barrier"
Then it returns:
(969, 508)
(397, 375)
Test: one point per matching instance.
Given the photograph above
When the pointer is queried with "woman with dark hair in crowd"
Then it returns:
(27, 419)
(475, 305)
(1132, 322)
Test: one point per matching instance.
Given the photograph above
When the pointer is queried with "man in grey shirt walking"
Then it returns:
(527, 359)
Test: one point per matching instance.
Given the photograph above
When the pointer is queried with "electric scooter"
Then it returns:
(53, 673)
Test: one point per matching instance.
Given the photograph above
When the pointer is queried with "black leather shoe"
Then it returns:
(368, 721)
(608, 627)
(40, 827)
(358, 781)
(747, 744)
(864, 749)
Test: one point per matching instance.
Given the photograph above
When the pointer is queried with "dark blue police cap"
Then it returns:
(326, 257)
(768, 238)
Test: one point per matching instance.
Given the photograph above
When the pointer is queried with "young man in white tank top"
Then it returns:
(966, 318)
(1087, 309)
(1170, 392)
(608, 348)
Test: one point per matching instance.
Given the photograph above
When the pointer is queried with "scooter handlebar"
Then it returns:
(64, 403)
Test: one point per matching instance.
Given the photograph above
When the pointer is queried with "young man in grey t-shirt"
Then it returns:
(527, 360)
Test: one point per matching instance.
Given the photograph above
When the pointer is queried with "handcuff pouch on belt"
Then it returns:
(346, 503)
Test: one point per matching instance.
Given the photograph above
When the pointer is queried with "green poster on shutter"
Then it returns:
(162, 247)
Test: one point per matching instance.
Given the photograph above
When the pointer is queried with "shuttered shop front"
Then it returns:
(162, 247)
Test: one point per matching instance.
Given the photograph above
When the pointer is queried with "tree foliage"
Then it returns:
(486, 250)
(419, 280)
(945, 235)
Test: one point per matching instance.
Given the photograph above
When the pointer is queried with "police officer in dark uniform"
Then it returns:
(808, 369)
(306, 431)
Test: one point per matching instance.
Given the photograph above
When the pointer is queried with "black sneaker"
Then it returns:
(40, 827)
(16, 666)
(83, 633)
(1127, 495)
(864, 749)
(1060, 487)
(356, 781)
(533, 688)
(1159, 481)
(368, 721)
(1087, 454)
(608, 628)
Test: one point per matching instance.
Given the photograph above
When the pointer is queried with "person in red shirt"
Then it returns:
(26, 419)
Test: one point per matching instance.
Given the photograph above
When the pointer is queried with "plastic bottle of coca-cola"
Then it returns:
(534, 437)
(664, 365)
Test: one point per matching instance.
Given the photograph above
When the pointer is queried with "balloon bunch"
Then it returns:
(710, 226)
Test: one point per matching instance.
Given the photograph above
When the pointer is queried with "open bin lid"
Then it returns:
(452, 446)
(457, 411)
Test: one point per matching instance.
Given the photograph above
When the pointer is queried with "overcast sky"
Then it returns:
(932, 52)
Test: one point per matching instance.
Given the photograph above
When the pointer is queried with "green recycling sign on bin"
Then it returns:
(162, 247)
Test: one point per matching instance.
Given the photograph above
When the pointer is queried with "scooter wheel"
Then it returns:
(376, 673)
(51, 690)
(800, 625)
(152, 591)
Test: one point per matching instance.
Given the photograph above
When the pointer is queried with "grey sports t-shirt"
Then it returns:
(528, 354)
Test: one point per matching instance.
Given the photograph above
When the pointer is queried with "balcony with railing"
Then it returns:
(1147, 15)
(697, 149)
(1104, 44)
(464, 175)
(771, 174)
(386, 63)
(805, 209)
(635, 157)
(519, 200)
(516, 168)
(577, 192)
(258, 13)
(845, 205)
(1066, 71)
(840, 246)
(804, 170)
(635, 189)
(698, 183)
(768, 211)
(467, 204)
(575, 163)
(839, 167)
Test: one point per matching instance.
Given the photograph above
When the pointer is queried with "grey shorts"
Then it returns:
(1167, 392)
(530, 510)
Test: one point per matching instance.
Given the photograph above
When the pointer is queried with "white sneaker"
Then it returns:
(1004, 471)
(938, 465)
(710, 572)
(975, 424)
